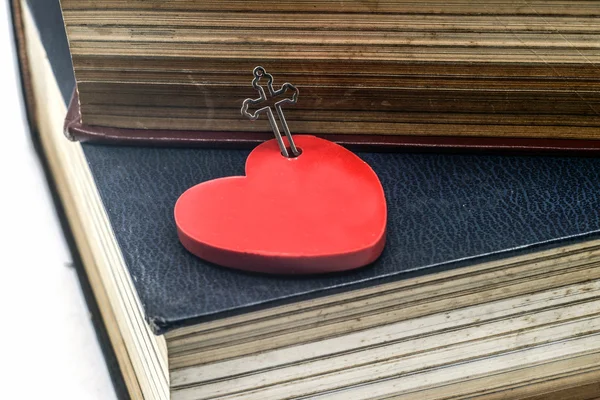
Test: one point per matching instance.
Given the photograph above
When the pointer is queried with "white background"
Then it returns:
(48, 348)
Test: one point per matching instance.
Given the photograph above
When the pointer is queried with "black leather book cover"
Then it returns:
(445, 211)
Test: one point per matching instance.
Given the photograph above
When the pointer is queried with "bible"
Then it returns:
(400, 74)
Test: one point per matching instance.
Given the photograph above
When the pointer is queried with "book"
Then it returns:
(489, 285)
(395, 73)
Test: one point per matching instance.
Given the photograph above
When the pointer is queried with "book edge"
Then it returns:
(30, 107)
(75, 129)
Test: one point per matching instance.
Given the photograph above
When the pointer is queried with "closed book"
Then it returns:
(399, 74)
(488, 286)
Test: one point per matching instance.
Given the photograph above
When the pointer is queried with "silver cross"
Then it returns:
(272, 98)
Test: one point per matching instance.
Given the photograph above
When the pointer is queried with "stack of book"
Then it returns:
(489, 286)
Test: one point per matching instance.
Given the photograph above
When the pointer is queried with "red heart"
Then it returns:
(322, 211)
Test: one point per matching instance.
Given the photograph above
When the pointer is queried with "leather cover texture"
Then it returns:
(444, 211)
(48, 17)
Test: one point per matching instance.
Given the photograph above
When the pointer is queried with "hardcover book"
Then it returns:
(488, 287)
(464, 74)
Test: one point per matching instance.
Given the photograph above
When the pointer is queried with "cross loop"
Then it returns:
(277, 98)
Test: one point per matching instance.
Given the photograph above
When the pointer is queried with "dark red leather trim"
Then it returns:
(75, 130)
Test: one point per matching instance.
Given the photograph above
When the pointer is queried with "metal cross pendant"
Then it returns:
(275, 98)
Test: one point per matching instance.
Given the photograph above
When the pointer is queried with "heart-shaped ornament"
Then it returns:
(319, 212)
